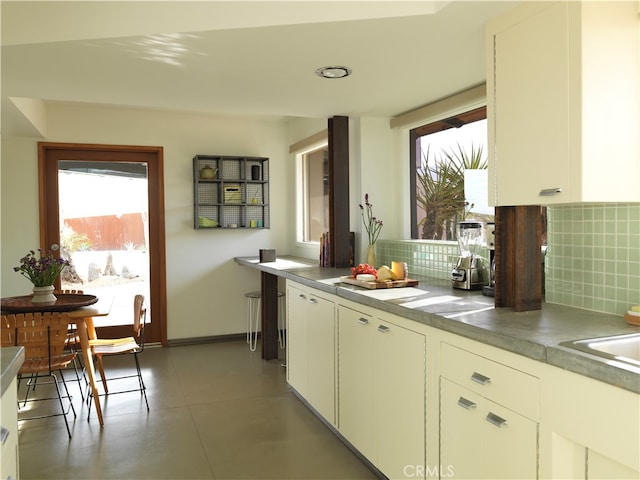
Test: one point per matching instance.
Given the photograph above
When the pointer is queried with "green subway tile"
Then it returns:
(588, 303)
(598, 213)
(610, 213)
(598, 304)
(609, 254)
(622, 296)
(587, 213)
(622, 268)
(598, 277)
(610, 291)
(609, 239)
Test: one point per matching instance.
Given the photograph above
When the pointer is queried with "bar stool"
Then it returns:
(253, 319)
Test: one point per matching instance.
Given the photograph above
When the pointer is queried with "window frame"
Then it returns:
(301, 201)
(467, 115)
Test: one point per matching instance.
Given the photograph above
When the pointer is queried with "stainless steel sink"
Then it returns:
(623, 348)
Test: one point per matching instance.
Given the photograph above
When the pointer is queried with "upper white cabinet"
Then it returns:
(563, 103)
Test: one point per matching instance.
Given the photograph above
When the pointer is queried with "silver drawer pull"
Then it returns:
(363, 321)
(549, 192)
(496, 420)
(383, 329)
(302, 297)
(4, 434)
(481, 379)
(312, 300)
(464, 403)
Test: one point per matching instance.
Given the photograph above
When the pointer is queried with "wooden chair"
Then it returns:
(43, 337)
(128, 345)
(72, 343)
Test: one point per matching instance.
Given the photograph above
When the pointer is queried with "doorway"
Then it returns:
(103, 204)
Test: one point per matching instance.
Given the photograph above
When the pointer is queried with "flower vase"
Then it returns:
(371, 255)
(43, 295)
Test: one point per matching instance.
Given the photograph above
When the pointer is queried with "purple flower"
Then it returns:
(372, 225)
(41, 271)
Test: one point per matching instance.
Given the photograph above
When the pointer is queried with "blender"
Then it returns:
(470, 271)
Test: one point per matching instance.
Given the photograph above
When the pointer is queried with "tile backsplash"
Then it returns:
(592, 261)
(429, 258)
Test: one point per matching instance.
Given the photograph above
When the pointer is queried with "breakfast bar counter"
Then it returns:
(433, 302)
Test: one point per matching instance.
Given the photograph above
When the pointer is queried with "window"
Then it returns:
(449, 175)
(313, 194)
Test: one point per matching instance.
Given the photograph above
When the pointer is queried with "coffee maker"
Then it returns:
(470, 272)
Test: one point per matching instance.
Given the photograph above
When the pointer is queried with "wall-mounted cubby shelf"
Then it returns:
(230, 192)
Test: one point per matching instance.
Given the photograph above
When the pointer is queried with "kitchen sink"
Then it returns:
(623, 348)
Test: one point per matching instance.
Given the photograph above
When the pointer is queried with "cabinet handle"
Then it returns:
(302, 297)
(479, 378)
(383, 329)
(549, 192)
(496, 420)
(464, 403)
(4, 434)
(363, 321)
(312, 300)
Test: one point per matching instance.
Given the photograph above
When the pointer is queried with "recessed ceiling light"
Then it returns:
(333, 71)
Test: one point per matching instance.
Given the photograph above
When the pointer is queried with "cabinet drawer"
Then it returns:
(504, 385)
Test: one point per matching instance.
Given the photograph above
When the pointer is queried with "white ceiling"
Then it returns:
(239, 57)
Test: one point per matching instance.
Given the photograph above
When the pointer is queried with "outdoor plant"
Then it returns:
(440, 192)
(41, 270)
(372, 225)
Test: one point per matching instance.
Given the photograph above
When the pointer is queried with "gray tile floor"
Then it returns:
(218, 411)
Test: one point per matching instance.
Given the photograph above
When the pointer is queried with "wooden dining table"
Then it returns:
(81, 315)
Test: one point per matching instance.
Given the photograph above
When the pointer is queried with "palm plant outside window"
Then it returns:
(449, 183)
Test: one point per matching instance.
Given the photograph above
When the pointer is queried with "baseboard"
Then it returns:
(232, 337)
(341, 437)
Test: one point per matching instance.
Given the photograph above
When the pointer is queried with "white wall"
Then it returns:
(375, 168)
(299, 129)
(205, 287)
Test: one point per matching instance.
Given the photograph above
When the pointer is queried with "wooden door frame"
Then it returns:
(49, 154)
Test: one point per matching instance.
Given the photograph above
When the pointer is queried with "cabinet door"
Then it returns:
(400, 394)
(356, 401)
(321, 356)
(297, 339)
(604, 468)
(460, 431)
(529, 95)
(480, 439)
(9, 464)
(510, 443)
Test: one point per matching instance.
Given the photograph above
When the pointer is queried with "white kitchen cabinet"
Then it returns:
(480, 439)
(311, 347)
(595, 423)
(600, 467)
(356, 403)
(9, 436)
(485, 425)
(563, 102)
(381, 391)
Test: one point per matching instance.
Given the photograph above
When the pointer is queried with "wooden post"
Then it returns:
(339, 244)
(269, 314)
(518, 277)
